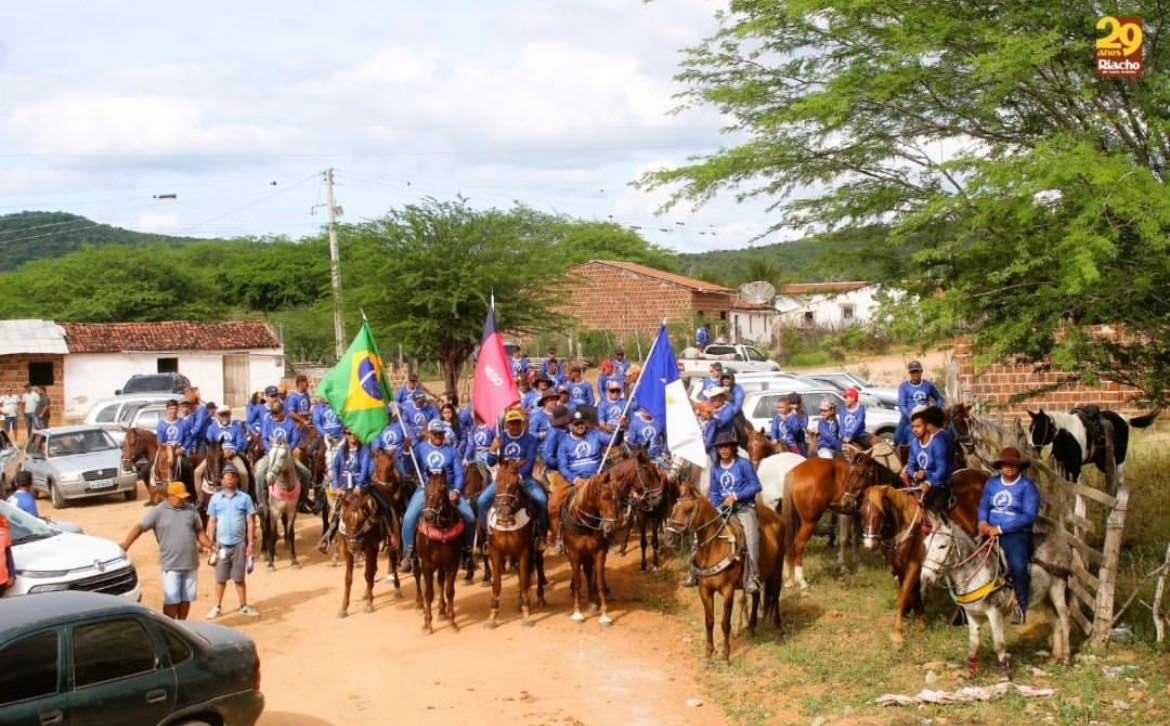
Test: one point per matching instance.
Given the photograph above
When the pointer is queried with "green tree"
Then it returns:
(1031, 194)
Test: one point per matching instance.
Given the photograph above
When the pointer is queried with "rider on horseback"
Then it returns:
(516, 444)
(580, 391)
(722, 419)
(579, 454)
(853, 421)
(645, 431)
(197, 420)
(735, 392)
(419, 412)
(173, 432)
(279, 431)
(912, 394)
(540, 420)
(558, 430)
(734, 486)
(829, 444)
(609, 414)
(435, 456)
(352, 468)
(930, 458)
(715, 380)
(1008, 510)
(231, 438)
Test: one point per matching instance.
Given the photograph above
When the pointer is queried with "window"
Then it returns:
(178, 648)
(30, 668)
(847, 312)
(40, 373)
(107, 414)
(766, 406)
(723, 315)
(713, 350)
(168, 365)
(109, 650)
(755, 355)
(810, 318)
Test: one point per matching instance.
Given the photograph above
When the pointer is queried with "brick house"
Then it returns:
(33, 351)
(626, 298)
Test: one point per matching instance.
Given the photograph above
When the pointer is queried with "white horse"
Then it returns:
(773, 474)
(974, 577)
(277, 480)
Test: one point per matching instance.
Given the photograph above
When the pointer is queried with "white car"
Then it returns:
(737, 357)
(47, 559)
(869, 394)
(759, 407)
(76, 462)
(121, 409)
(753, 382)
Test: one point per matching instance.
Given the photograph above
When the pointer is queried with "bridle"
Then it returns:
(889, 544)
(945, 566)
(435, 514)
(1044, 429)
(587, 520)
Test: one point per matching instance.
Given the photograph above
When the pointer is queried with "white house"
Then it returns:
(826, 305)
(227, 361)
(753, 322)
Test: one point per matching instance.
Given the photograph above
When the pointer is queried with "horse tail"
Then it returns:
(1141, 422)
(790, 518)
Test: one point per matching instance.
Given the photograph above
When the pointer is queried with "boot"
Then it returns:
(407, 556)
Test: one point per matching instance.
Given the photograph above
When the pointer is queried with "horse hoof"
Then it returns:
(368, 608)
(342, 614)
(428, 630)
(528, 623)
(606, 620)
(296, 565)
(489, 625)
(577, 617)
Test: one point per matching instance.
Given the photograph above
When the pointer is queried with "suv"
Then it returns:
(120, 409)
(80, 657)
(46, 559)
(155, 383)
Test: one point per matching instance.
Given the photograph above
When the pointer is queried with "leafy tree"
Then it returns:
(1031, 195)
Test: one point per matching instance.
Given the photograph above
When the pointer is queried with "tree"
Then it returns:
(1031, 194)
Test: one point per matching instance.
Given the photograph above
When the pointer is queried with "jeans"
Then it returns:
(414, 511)
(751, 534)
(535, 494)
(10, 424)
(31, 423)
(1017, 549)
(902, 433)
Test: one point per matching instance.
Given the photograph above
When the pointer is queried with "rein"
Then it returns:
(571, 511)
(984, 551)
(723, 516)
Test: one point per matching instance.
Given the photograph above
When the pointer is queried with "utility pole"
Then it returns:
(335, 265)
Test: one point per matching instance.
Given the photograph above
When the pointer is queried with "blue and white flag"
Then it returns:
(660, 391)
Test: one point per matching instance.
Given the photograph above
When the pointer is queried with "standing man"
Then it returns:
(10, 408)
(231, 525)
(829, 445)
(1008, 510)
(29, 401)
(552, 367)
(179, 533)
(912, 394)
(520, 364)
(198, 421)
(410, 389)
(853, 421)
(23, 498)
(44, 408)
(702, 337)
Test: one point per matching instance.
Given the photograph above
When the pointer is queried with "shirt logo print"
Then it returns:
(435, 461)
(1002, 500)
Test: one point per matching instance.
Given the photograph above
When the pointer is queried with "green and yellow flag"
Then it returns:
(356, 388)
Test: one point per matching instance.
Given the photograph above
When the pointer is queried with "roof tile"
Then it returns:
(669, 277)
(169, 335)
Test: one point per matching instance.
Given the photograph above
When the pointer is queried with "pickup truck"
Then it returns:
(738, 357)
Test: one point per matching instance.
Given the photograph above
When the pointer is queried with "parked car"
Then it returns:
(48, 558)
(142, 417)
(120, 409)
(870, 395)
(155, 383)
(742, 358)
(85, 658)
(751, 382)
(759, 407)
(76, 462)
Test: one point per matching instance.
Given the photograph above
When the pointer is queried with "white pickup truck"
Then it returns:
(738, 357)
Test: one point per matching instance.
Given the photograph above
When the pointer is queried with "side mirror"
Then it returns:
(118, 392)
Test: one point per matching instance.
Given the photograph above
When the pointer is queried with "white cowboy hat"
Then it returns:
(715, 391)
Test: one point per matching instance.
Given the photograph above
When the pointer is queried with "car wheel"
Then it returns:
(59, 501)
(132, 494)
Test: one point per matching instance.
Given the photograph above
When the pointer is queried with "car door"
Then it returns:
(34, 460)
(117, 670)
(32, 687)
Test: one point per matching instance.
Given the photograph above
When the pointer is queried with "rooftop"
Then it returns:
(169, 336)
(822, 288)
(668, 277)
(31, 336)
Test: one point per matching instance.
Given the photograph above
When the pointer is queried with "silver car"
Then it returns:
(759, 407)
(77, 462)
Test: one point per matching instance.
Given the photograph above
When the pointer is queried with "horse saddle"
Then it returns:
(437, 534)
(1090, 416)
(520, 519)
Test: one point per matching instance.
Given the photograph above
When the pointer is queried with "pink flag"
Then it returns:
(493, 390)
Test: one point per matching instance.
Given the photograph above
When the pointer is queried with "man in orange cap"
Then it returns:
(179, 532)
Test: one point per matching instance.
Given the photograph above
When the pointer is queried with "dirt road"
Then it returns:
(380, 668)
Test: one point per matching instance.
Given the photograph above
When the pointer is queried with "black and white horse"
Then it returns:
(1073, 444)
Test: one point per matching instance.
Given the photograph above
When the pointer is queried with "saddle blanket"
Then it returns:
(277, 492)
(519, 519)
(435, 534)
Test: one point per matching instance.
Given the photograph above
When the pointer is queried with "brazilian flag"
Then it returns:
(356, 388)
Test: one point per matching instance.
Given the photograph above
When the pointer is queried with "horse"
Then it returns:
(718, 559)
(760, 447)
(1078, 438)
(388, 480)
(476, 478)
(974, 576)
(812, 487)
(139, 449)
(652, 494)
(588, 516)
(283, 494)
(438, 546)
(510, 527)
(361, 530)
(165, 468)
(893, 520)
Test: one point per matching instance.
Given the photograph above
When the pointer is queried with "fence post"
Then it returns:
(1110, 550)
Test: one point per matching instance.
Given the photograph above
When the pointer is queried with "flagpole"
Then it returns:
(633, 392)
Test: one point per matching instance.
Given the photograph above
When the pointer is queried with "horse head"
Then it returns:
(683, 513)
(358, 513)
(873, 517)
(213, 462)
(437, 498)
(940, 548)
(508, 492)
(1041, 430)
(599, 495)
(758, 446)
(386, 473)
(279, 460)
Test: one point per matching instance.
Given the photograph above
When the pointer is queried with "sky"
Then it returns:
(236, 108)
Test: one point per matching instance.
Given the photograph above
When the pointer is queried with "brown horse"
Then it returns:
(759, 447)
(139, 449)
(893, 520)
(588, 516)
(719, 561)
(362, 531)
(813, 487)
(652, 495)
(438, 545)
(510, 537)
(389, 482)
(476, 478)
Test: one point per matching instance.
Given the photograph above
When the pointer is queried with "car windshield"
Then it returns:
(860, 381)
(755, 355)
(148, 384)
(80, 442)
(25, 527)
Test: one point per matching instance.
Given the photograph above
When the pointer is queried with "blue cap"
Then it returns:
(437, 426)
(272, 391)
(419, 395)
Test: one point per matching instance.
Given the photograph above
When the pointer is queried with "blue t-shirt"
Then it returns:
(738, 480)
(24, 501)
(1011, 507)
(231, 517)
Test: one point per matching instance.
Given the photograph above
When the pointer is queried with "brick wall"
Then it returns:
(608, 298)
(1015, 387)
(14, 375)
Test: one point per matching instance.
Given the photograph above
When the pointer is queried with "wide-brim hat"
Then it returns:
(726, 438)
(561, 416)
(715, 391)
(1010, 456)
(547, 395)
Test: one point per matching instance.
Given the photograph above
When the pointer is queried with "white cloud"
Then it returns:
(158, 222)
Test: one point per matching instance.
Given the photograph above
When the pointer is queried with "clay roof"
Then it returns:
(167, 336)
(822, 288)
(668, 277)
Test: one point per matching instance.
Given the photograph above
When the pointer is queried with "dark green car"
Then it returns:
(74, 658)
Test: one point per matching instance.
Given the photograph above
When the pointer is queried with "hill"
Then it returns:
(848, 255)
(28, 236)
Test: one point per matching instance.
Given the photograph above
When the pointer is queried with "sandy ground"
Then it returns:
(380, 668)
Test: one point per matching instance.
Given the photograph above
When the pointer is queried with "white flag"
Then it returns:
(683, 435)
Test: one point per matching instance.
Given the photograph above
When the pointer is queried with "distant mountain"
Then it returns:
(850, 255)
(36, 235)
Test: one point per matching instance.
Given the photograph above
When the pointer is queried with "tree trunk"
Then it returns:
(451, 365)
